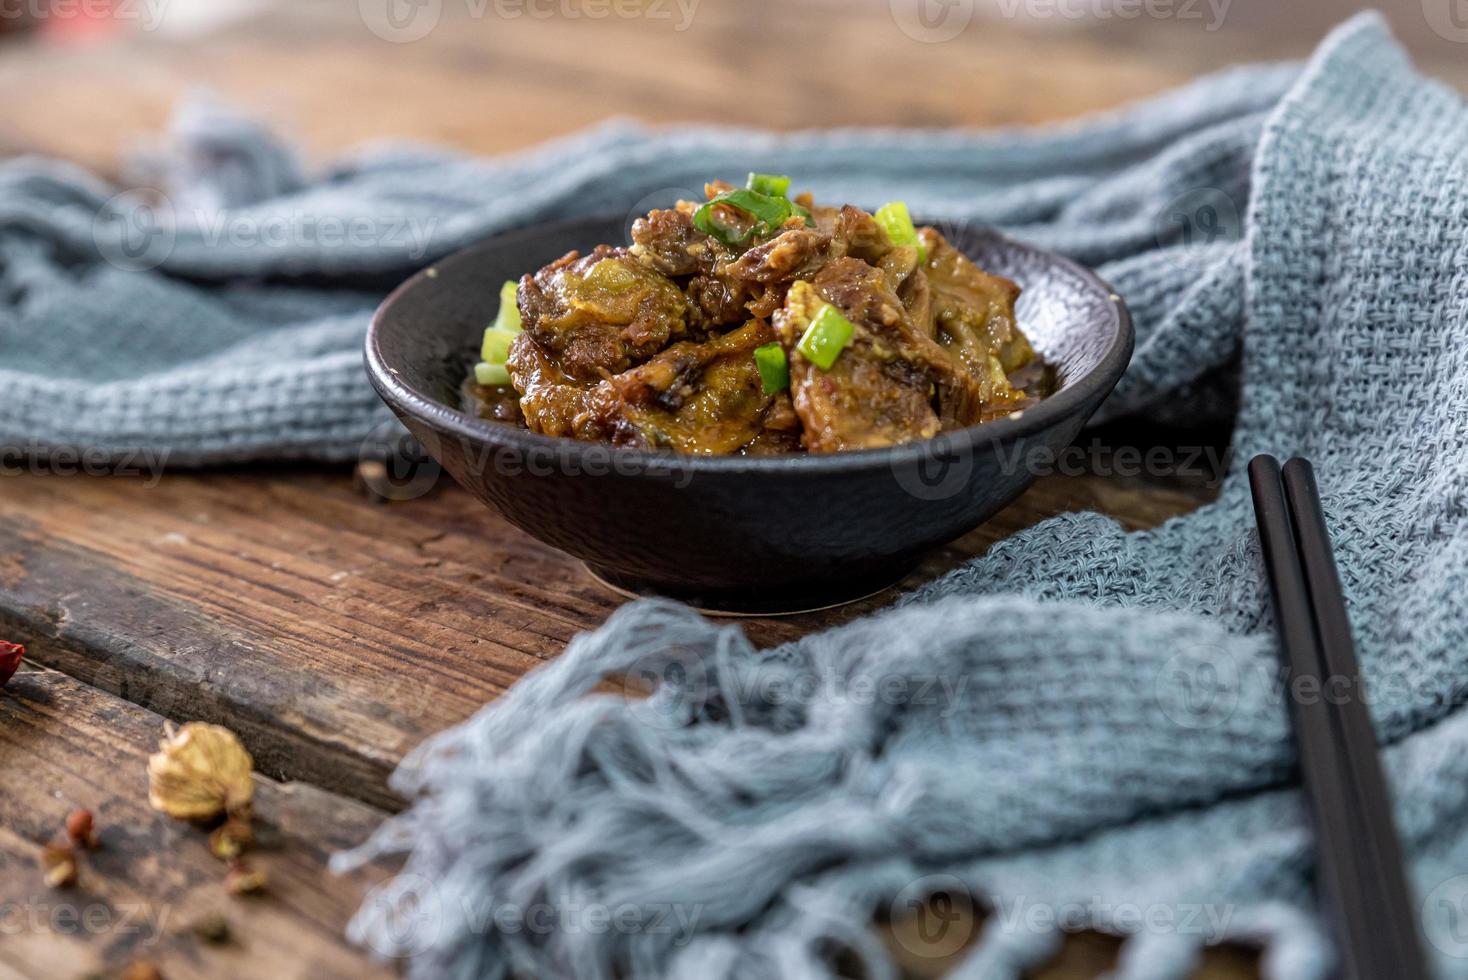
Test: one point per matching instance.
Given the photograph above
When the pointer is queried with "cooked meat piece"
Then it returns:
(857, 234)
(696, 398)
(601, 313)
(550, 401)
(795, 253)
(866, 295)
(719, 301)
(870, 397)
(668, 242)
(653, 345)
(973, 309)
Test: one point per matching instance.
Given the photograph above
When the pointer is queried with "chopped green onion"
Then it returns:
(769, 213)
(496, 346)
(826, 337)
(509, 317)
(771, 185)
(897, 222)
(491, 375)
(774, 369)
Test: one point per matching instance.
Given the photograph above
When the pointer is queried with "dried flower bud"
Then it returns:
(232, 839)
(10, 657)
(244, 881)
(213, 929)
(80, 828)
(199, 772)
(142, 970)
(59, 860)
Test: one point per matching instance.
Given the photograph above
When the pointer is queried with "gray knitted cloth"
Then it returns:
(1083, 728)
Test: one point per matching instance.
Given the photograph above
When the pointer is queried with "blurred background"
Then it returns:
(90, 80)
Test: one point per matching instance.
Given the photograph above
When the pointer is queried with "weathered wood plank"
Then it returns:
(332, 634)
(64, 745)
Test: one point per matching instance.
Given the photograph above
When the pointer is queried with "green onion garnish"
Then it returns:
(774, 369)
(769, 213)
(496, 346)
(826, 337)
(495, 349)
(491, 375)
(771, 185)
(509, 317)
(897, 222)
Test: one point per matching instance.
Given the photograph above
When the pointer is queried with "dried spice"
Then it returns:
(81, 829)
(142, 970)
(200, 772)
(243, 880)
(213, 929)
(232, 839)
(59, 862)
(11, 655)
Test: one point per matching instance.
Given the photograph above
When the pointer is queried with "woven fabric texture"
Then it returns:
(1083, 727)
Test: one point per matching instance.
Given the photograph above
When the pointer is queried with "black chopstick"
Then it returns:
(1353, 719)
(1361, 872)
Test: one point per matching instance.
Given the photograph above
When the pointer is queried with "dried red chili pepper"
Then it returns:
(10, 656)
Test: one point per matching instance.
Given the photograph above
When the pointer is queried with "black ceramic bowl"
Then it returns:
(738, 534)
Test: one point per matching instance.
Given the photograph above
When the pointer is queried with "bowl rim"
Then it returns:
(1074, 397)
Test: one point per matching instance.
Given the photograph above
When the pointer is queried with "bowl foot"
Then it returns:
(755, 601)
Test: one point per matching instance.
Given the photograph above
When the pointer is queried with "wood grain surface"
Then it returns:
(331, 630)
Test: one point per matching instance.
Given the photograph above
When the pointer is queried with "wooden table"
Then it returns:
(332, 631)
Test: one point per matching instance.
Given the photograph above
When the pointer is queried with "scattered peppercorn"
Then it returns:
(213, 929)
(243, 880)
(80, 829)
(142, 970)
(231, 839)
(59, 862)
(10, 657)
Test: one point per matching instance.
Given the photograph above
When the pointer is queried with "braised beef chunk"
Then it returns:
(668, 242)
(695, 398)
(795, 253)
(602, 312)
(870, 397)
(654, 345)
(974, 310)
